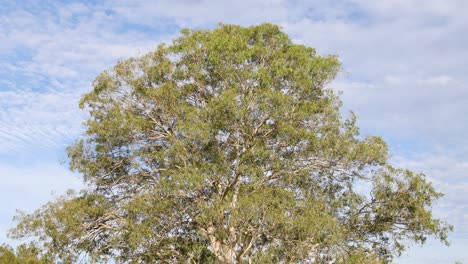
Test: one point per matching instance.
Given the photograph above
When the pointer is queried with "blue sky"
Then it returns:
(404, 74)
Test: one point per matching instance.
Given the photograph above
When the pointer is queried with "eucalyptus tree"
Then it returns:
(24, 254)
(227, 146)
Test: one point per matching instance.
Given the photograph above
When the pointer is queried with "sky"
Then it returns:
(404, 75)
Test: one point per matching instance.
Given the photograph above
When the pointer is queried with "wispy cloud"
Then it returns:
(51, 54)
(34, 118)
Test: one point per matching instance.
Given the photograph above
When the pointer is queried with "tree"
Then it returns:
(25, 254)
(227, 147)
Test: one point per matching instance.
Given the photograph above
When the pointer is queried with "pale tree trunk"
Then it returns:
(225, 250)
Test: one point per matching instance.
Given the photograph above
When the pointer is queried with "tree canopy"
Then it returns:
(227, 146)
(24, 254)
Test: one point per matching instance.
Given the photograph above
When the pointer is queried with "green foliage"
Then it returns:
(25, 254)
(227, 147)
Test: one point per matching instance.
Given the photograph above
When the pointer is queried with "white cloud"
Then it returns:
(402, 71)
(30, 185)
(53, 53)
(397, 63)
(200, 13)
(37, 119)
(448, 175)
